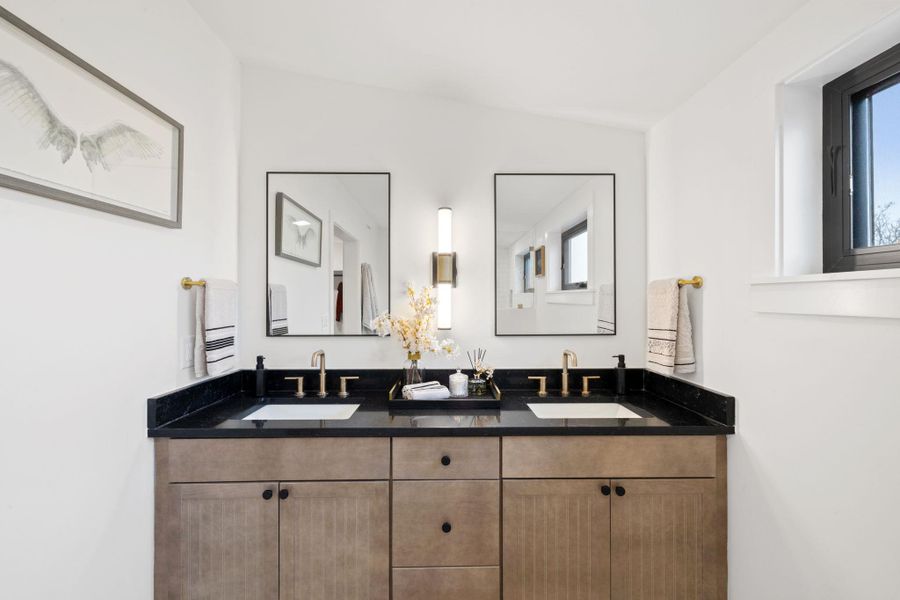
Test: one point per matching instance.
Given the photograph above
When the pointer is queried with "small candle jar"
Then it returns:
(459, 385)
(477, 386)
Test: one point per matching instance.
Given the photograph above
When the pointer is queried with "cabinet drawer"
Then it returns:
(278, 459)
(447, 583)
(610, 456)
(422, 510)
(447, 458)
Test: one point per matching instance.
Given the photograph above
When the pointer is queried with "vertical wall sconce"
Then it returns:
(443, 268)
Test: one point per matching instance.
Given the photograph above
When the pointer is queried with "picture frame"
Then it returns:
(540, 261)
(73, 134)
(298, 232)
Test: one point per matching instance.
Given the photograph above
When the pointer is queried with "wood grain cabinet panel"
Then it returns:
(609, 456)
(556, 541)
(447, 583)
(225, 543)
(471, 510)
(446, 458)
(278, 459)
(334, 541)
(664, 539)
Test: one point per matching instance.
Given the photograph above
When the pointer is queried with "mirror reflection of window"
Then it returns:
(555, 254)
(575, 257)
(527, 273)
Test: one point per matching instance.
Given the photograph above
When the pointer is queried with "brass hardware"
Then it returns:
(344, 393)
(542, 384)
(443, 268)
(187, 283)
(494, 389)
(586, 384)
(393, 391)
(695, 281)
(299, 393)
(320, 355)
(567, 354)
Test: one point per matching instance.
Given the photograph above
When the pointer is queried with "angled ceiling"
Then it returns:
(625, 62)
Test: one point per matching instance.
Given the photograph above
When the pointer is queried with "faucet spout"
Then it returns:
(566, 356)
(319, 357)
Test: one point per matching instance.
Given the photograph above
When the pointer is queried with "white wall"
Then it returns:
(439, 153)
(92, 313)
(813, 469)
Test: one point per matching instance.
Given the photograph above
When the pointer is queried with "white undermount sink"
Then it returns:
(302, 412)
(581, 410)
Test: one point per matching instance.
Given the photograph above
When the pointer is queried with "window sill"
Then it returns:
(584, 297)
(867, 294)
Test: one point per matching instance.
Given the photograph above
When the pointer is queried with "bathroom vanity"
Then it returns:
(441, 504)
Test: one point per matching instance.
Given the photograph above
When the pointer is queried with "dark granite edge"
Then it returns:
(696, 398)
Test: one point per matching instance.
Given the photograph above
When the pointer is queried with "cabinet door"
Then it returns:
(225, 542)
(664, 539)
(335, 540)
(555, 539)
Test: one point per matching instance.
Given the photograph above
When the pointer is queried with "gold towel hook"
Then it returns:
(695, 281)
(187, 283)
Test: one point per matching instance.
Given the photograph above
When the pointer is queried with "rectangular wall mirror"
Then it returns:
(328, 252)
(555, 254)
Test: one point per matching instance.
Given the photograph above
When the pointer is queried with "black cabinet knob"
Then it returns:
(605, 490)
(445, 460)
(283, 494)
(446, 527)
(267, 495)
(620, 491)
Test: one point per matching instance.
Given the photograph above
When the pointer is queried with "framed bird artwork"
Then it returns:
(298, 232)
(73, 134)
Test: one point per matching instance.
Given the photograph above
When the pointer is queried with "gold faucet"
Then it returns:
(320, 355)
(567, 354)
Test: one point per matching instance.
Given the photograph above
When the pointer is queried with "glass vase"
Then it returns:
(412, 374)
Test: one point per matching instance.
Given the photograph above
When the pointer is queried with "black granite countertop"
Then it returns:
(216, 408)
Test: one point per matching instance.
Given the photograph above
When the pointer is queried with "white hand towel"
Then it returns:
(215, 344)
(369, 297)
(670, 343)
(278, 322)
(432, 393)
(606, 308)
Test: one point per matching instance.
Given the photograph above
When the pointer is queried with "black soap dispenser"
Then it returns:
(260, 377)
(620, 374)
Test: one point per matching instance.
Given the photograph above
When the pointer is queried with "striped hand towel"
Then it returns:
(278, 321)
(215, 344)
(670, 341)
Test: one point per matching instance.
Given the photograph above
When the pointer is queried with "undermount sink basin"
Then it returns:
(581, 410)
(302, 412)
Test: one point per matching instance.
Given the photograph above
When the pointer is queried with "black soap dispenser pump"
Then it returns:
(620, 374)
(260, 377)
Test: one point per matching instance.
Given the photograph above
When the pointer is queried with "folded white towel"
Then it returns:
(670, 343)
(606, 308)
(429, 390)
(278, 321)
(215, 344)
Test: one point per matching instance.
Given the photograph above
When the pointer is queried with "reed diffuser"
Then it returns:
(481, 372)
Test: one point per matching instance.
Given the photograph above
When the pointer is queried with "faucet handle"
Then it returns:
(344, 393)
(299, 393)
(586, 384)
(542, 384)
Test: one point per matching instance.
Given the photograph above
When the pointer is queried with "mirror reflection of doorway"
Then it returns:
(347, 289)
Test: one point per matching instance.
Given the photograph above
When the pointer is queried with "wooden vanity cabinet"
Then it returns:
(534, 517)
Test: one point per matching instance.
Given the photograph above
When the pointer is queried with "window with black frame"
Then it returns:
(527, 273)
(575, 257)
(861, 167)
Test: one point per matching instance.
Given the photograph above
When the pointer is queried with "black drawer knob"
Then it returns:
(267, 495)
(445, 460)
(620, 491)
(446, 527)
(283, 494)
(605, 490)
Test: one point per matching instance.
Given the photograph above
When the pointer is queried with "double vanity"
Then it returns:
(594, 496)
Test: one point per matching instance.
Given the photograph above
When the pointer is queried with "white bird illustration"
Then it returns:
(106, 147)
